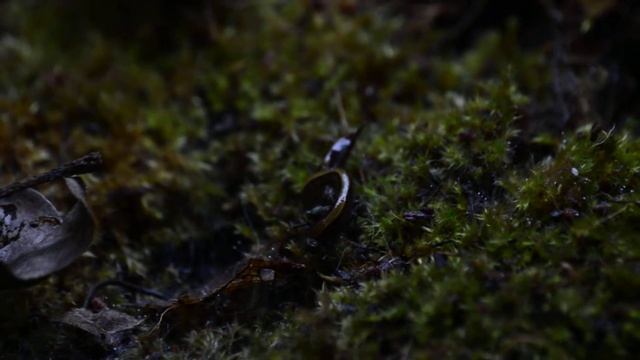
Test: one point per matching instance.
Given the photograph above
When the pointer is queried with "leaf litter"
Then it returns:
(37, 239)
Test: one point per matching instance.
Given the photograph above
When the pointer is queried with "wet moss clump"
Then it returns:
(493, 211)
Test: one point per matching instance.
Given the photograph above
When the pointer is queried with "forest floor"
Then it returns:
(490, 201)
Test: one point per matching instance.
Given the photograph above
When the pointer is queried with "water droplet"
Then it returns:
(267, 274)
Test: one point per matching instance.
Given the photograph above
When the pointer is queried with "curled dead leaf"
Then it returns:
(36, 240)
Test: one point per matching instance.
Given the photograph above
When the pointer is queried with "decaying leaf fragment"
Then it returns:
(257, 285)
(256, 272)
(36, 240)
(108, 326)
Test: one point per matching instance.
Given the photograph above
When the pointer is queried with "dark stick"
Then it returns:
(122, 284)
(86, 164)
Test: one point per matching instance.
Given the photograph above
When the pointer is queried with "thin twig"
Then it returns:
(122, 284)
(89, 163)
(341, 112)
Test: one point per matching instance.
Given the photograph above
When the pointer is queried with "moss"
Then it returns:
(526, 246)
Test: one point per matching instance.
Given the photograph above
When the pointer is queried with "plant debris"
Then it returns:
(258, 285)
(488, 210)
(109, 327)
(36, 239)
